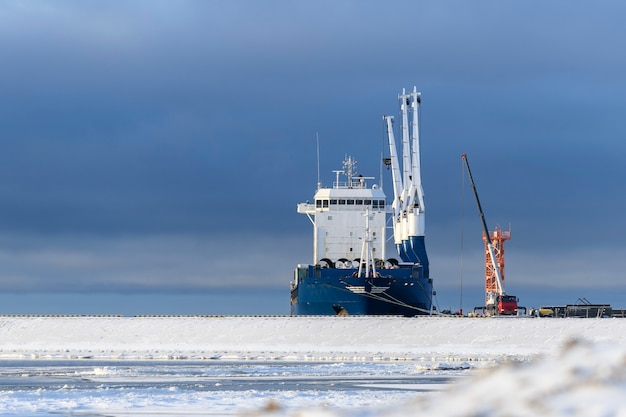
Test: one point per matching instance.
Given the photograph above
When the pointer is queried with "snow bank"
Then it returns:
(297, 338)
(583, 380)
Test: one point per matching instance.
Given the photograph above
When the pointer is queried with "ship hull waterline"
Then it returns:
(328, 291)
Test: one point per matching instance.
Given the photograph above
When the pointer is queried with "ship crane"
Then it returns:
(496, 300)
(498, 237)
(408, 204)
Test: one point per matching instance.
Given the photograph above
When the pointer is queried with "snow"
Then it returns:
(295, 338)
(509, 366)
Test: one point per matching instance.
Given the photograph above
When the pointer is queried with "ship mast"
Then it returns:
(367, 257)
(349, 164)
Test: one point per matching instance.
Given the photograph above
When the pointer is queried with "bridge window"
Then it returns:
(325, 203)
(342, 201)
(367, 202)
(359, 202)
(350, 202)
(318, 203)
(375, 204)
(333, 202)
(381, 203)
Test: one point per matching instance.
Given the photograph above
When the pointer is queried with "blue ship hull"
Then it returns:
(403, 291)
(414, 250)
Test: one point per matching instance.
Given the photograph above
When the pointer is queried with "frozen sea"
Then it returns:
(213, 387)
(311, 366)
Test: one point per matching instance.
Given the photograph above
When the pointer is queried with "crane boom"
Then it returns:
(492, 253)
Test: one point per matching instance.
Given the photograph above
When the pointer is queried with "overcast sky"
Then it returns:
(164, 145)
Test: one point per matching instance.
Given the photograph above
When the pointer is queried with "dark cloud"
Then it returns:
(198, 120)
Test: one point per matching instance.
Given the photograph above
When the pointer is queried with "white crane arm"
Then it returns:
(395, 168)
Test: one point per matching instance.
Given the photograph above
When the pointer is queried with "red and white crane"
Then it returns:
(497, 302)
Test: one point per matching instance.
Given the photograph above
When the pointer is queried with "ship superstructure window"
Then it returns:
(326, 203)
(378, 204)
(321, 203)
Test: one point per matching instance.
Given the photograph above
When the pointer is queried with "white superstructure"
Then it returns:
(348, 220)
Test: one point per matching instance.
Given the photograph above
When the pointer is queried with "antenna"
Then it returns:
(317, 138)
(380, 174)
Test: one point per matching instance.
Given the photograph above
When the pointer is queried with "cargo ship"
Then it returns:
(351, 273)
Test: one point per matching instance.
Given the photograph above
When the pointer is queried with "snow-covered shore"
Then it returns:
(296, 338)
(530, 367)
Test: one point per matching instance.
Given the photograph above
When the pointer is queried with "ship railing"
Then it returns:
(340, 184)
(353, 184)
